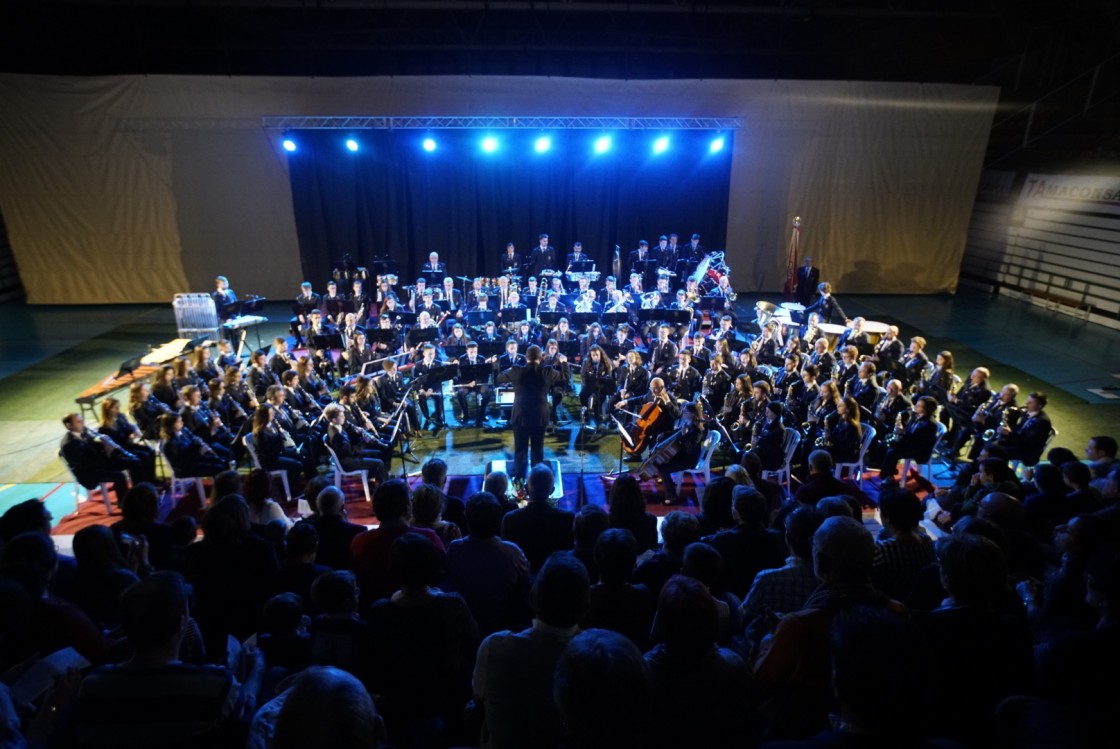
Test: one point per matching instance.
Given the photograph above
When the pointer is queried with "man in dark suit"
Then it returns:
(94, 458)
(510, 259)
(539, 528)
(543, 257)
(434, 265)
(638, 258)
(915, 443)
(532, 384)
(807, 279)
(577, 255)
(1027, 439)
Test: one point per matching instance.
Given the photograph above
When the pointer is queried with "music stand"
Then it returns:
(580, 320)
(477, 318)
(550, 319)
(583, 266)
(385, 266)
(614, 319)
(336, 308)
(626, 439)
(329, 342)
(252, 304)
(403, 317)
(433, 277)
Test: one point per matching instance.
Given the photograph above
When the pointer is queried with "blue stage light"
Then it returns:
(661, 145)
(543, 144)
(429, 144)
(603, 144)
(717, 145)
(289, 145)
(351, 144)
(489, 144)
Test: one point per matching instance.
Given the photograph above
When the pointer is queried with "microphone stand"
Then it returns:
(398, 416)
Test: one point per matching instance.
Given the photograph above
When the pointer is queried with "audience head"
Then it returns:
(140, 505)
(226, 522)
(225, 484)
(31, 560)
(434, 472)
(302, 542)
(561, 591)
(626, 500)
(1002, 509)
(1048, 479)
(702, 562)
(589, 524)
(1084, 535)
(330, 501)
(616, 552)
(602, 691)
(977, 526)
(678, 530)
(96, 549)
(973, 569)
(154, 612)
(842, 551)
(29, 516)
(256, 488)
(497, 484)
(833, 507)
(282, 613)
(335, 592)
(737, 474)
(427, 505)
(1101, 448)
(312, 489)
(1060, 456)
(391, 501)
(901, 509)
(748, 506)
(820, 462)
(1102, 581)
(484, 515)
(801, 525)
(1076, 474)
(541, 483)
(414, 561)
(328, 708)
(715, 505)
(687, 617)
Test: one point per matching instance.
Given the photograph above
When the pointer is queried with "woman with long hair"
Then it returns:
(118, 428)
(845, 433)
(275, 450)
(596, 376)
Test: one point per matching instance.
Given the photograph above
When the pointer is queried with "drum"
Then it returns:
(875, 330)
(832, 332)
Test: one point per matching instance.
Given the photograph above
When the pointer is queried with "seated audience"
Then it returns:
(139, 513)
(749, 547)
(427, 512)
(590, 523)
(628, 511)
(902, 548)
(538, 527)
(327, 707)
(336, 533)
(678, 530)
(781, 590)
(616, 604)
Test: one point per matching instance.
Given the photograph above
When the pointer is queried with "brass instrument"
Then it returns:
(892, 437)
(984, 410)
(1004, 422)
(647, 299)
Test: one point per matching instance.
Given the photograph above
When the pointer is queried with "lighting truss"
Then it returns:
(500, 123)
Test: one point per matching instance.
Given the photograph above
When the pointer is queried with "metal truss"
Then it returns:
(501, 123)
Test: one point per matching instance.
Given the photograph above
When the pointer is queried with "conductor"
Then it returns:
(532, 384)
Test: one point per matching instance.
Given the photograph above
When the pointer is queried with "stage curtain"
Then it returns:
(391, 198)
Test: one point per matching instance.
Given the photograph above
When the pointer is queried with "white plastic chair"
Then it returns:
(927, 466)
(247, 440)
(103, 486)
(790, 442)
(180, 485)
(704, 465)
(340, 472)
(868, 438)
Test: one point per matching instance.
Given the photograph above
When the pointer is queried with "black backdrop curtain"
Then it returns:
(393, 198)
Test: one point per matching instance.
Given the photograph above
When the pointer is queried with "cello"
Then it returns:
(642, 432)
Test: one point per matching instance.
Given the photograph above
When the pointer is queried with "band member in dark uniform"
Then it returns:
(632, 378)
(480, 388)
(553, 359)
(577, 255)
(532, 382)
(915, 442)
(914, 363)
(390, 389)
(434, 265)
(276, 450)
(94, 458)
(361, 302)
(716, 383)
(542, 258)
(510, 259)
(845, 433)
(683, 379)
(827, 307)
(430, 392)
(596, 383)
(356, 450)
(223, 295)
(1026, 439)
(663, 352)
(808, 277)
(306, 301)
(688, 439)
(116, 426)
(188, 455)
(358, 354)
(887, 354)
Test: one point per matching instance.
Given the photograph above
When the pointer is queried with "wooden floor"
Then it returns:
(50, 354)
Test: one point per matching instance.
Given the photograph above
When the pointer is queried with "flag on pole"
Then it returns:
(791, 261)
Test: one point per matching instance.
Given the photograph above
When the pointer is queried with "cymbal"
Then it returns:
(793, 306)
(462, 278)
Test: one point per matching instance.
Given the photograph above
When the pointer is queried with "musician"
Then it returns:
(864, 388)
(555, 360)
(227, 407)
(618, 304)
(204, 366)
(357, 355)
(723, 289)
(423, 332)
(557, 285)
(688, 441)
(532, 383)
(349, 329)
(289, 419)
(683, 379)
(787, 376)
(316, 327)
(940, 384)
(916, 441)
(480, 388)
(577, 256)
(333, 297)
(632, 378)
(726, 332)
(663, 352)
(205, 424)
(552, 304)
(222, 295)
(366, 402)
(768, 441)
(964, 404)
(664, 290)
(226, 357)
(635, 286)
(810, 332)
(542, 258)
(280, 361)
(240, 391)
(510, 262)
(803, 394)
(749, 366)
(510, 358)
(356, 450)
(716, 383)
(808, 279)
(586, 303)
(596, 383)
(829, 309)
(416, 295)
(430, 392)
(393, 344)
(185, 375)
(390, 388)
(188, 455)
(393, 309)
(163, 387)
(914, 363)
(532, 290)
(275, 448)
(693, 250)
(501, 295)
(428, 304)
(513, 311)
(765, 348)
(890, 405)
(563, 334)
(752, 412)
(489, 333)
(474, 293)
(701, 356)
(625, 344)
(640, 255)
(306, 301)
(93, 458)
(670, 252)
(593, 337)
(454, 298)
(116, 426)
(1026, 439)
(606, 295)
(823, 359)
(524, 335)
(667, 412)
(360, 300)
(297, 399)
(434, 265)
(845, 433)
(819, 412)
(456, 339)
(888, 353)
(848, 372)
(740, 394)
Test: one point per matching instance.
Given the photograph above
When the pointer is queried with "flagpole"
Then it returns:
(791, 259)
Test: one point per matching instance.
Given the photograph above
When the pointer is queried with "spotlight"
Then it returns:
(490, 144)
(351, 144)
(429, 144)
(543, 144)
(603, 144)
(289, 145)
(717, 145)
(661, 145)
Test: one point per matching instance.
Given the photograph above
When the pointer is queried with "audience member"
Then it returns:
(784, 589)
(434, 472)
(615, 603)
(678, 530)
(715, 507)
(139, 513)
(702, 562)
(749, 547)
(1024, 554)
(339, 637)
(336, 533)
(538, 528)
(628, 511)
(427, 512)
(821, 483)
(105, 571)
(903, 548)
(327, 708)
(299, 568)
(591, 522)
